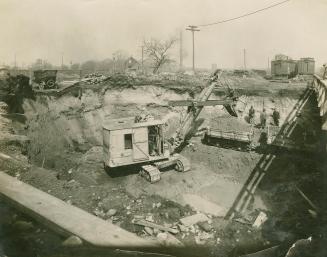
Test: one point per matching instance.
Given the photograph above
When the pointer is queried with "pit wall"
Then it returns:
(60, 126)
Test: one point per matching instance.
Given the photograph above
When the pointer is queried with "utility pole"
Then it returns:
(244, 58)
(142, 62)
(62, 60)
(15, 63)
(181, 50)
(193, 29)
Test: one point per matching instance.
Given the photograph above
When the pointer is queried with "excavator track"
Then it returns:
(182, 164)
(150, 173)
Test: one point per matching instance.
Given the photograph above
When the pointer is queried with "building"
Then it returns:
(283, 67)
(132, 65)
(306, 66)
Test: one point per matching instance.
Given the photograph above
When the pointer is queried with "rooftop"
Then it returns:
(129, 122)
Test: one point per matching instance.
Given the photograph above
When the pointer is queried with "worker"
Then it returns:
(251, 115)
(276, 117)
(263, 118)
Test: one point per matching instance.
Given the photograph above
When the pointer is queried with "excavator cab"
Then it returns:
(127, 141)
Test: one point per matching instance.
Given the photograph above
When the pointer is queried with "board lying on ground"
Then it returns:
(66, 219)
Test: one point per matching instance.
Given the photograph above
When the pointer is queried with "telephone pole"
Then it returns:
(193, 29)
(15, 62)
(62, 60)
(181, 50)
(244, 57)
(142, 62)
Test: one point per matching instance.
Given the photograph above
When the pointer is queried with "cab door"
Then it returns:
(140, 144)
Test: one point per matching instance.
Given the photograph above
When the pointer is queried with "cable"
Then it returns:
(244, 15)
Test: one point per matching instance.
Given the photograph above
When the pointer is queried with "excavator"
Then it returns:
(141, 141)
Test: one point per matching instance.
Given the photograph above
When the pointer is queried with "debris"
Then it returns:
(139, 217)
(23, 225)
(243, 221)
(111, 212)
(261, 218)
(205, 226)
(167, 239)
(201, 238)
(313, 213)
(149, 218)
(153, 225)
(99, 213)
(194, 219)
(72, 241)
(307, 199)
(148, 230)
(182, 228)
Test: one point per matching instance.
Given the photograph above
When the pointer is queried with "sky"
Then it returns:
(81, 30)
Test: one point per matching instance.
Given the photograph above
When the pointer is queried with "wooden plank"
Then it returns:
(66, 219)
(153, 225)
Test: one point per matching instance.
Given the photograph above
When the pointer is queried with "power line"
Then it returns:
(244, 15)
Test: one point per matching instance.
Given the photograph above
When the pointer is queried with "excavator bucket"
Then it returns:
(230, 109)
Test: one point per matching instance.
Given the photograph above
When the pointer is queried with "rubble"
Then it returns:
(205, 226)
(72, 241)
(94, 78)
(111, 212)
(169, 240)
(194, 219)
(153, 225)
(261, 218)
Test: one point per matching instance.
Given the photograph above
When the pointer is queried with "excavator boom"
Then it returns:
(194, 108)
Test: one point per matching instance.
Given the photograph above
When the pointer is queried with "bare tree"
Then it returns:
(158, 51)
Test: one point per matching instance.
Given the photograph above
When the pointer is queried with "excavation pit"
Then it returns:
(229, 185)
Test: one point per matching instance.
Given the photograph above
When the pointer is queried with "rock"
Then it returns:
(261, 218)
(167, 239)
(205, 226)
(149, 218)
(72, 241)
(23, 225)
(99, 213)
(148, 230)
(182, 228)
(139, 217)
(194, 219)
(162, 237)
(111, 212)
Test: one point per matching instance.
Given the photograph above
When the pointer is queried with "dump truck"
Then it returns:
(142, 141)
(45, 79)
